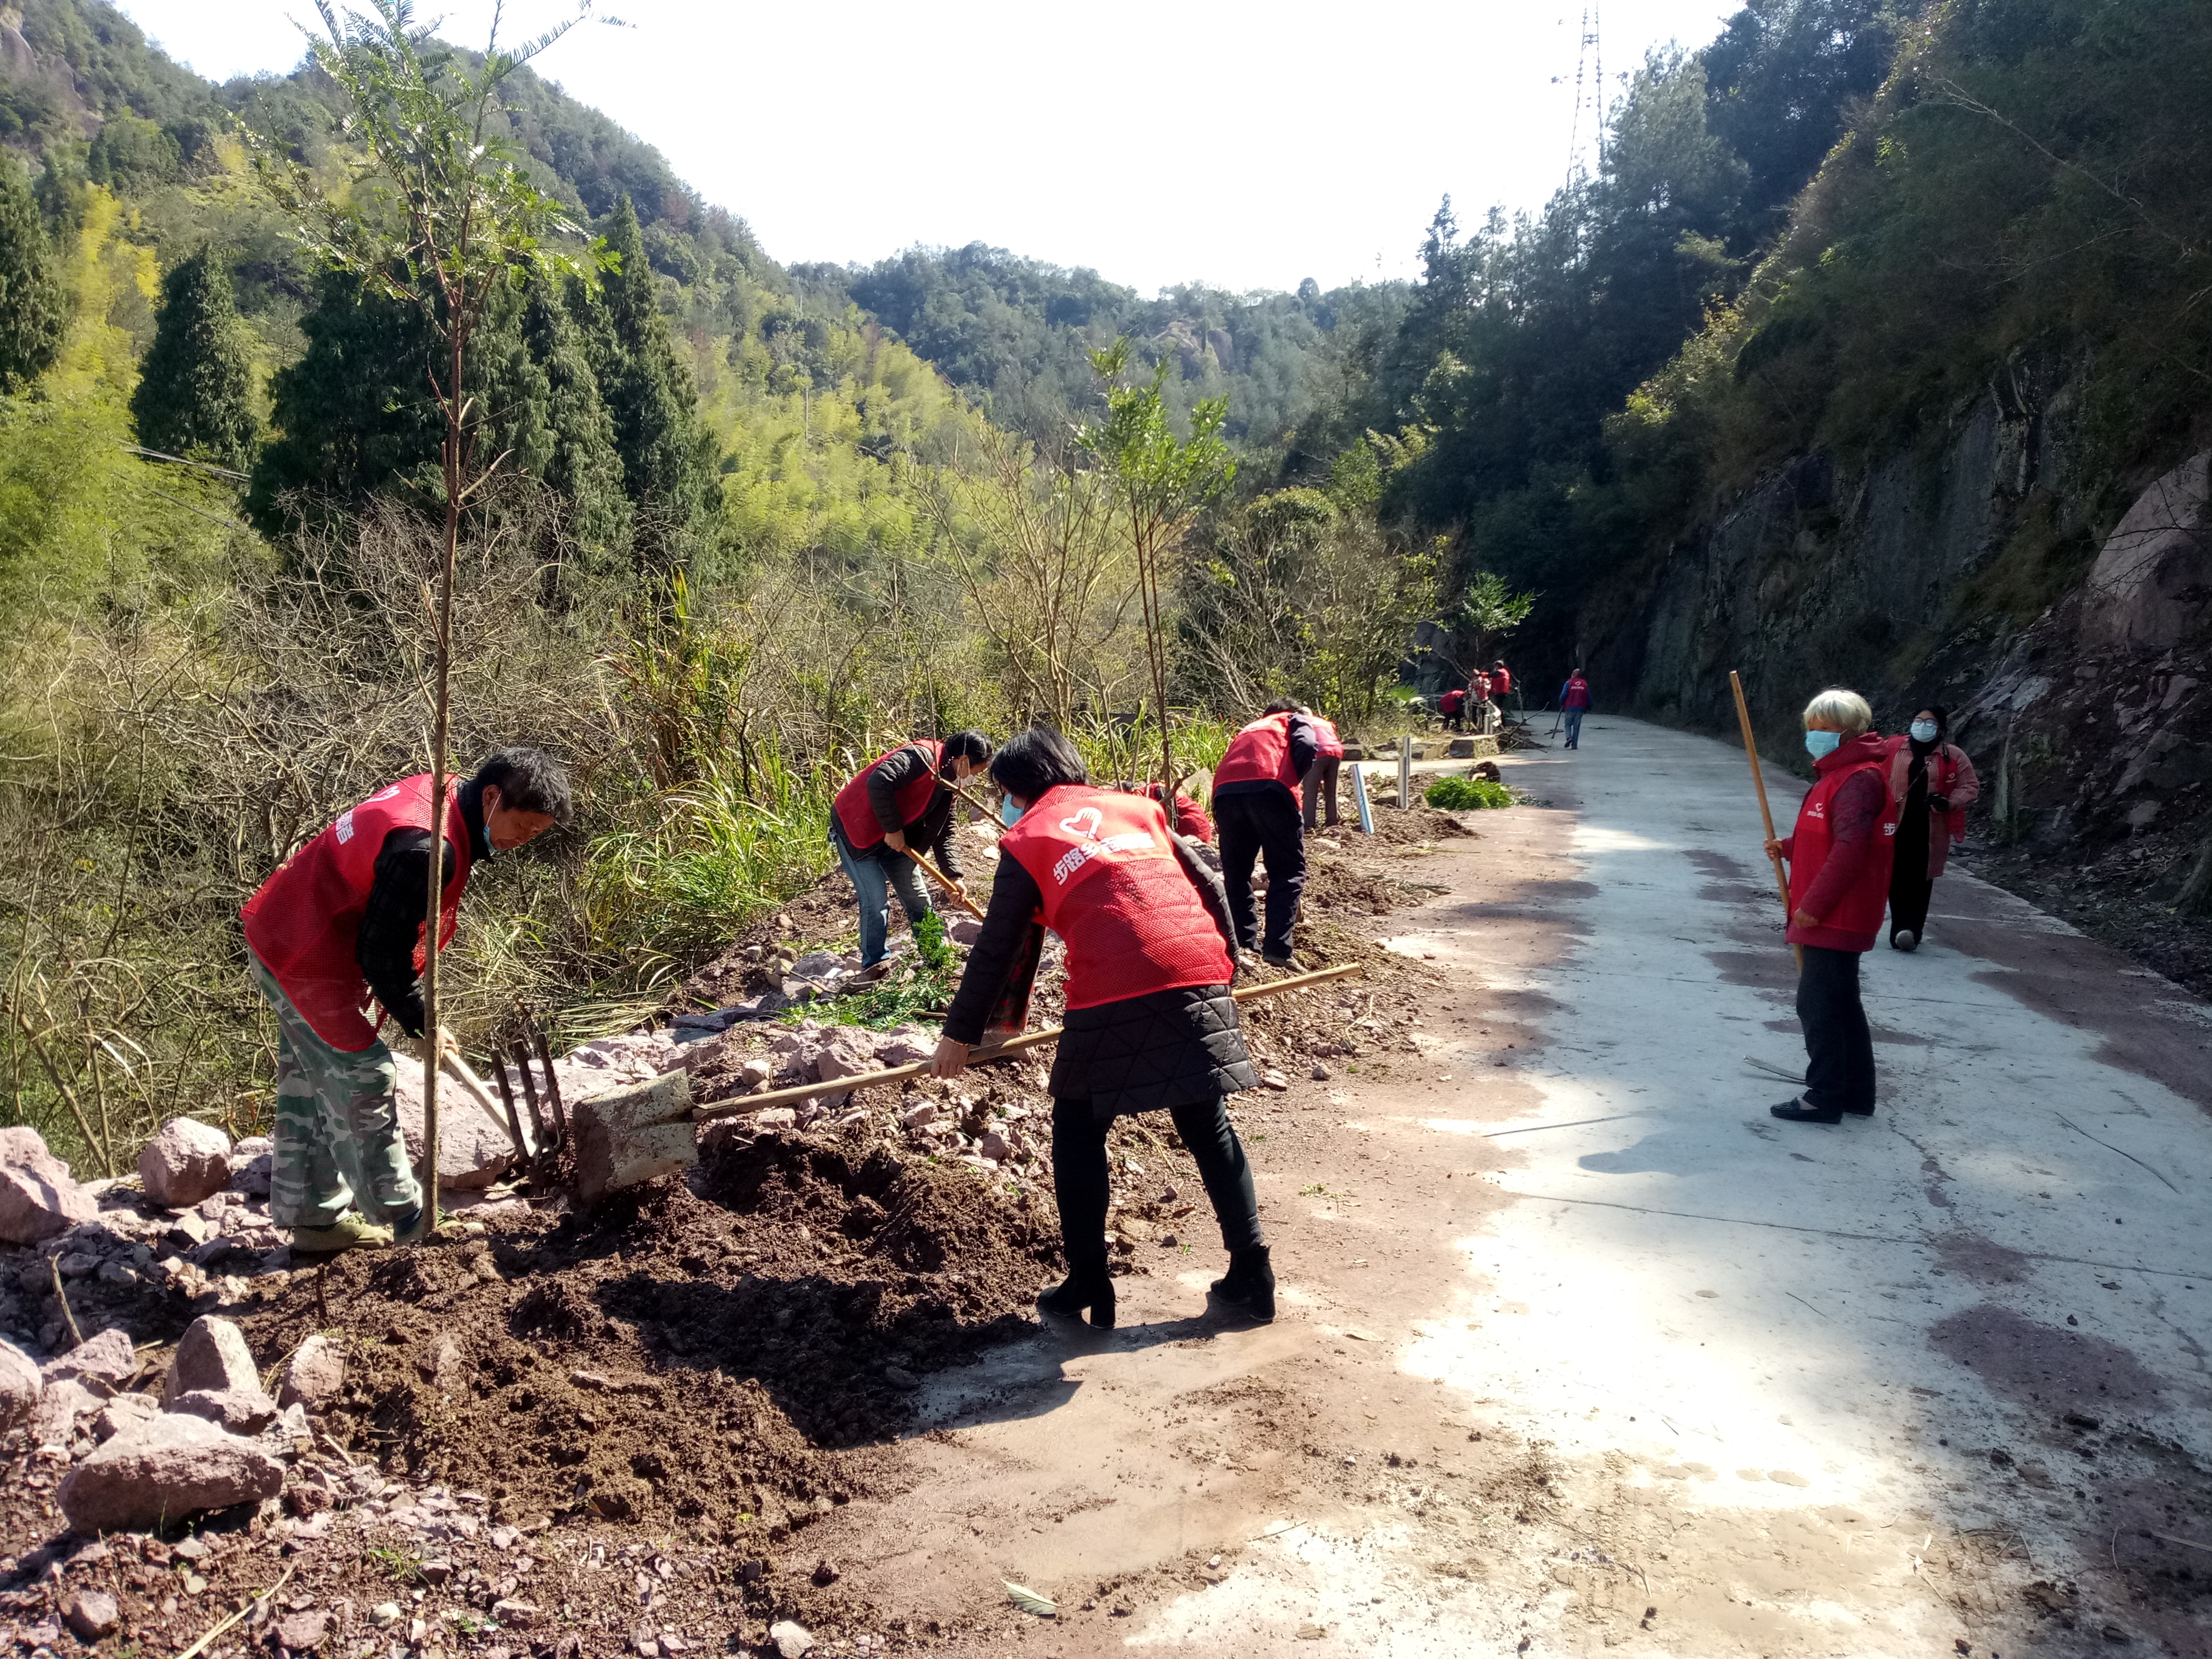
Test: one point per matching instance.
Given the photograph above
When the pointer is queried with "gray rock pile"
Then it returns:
(39, 1197)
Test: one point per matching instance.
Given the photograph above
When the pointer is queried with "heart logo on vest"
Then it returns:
(1085, 823)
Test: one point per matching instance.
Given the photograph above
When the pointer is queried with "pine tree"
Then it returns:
(195, 393)
(667, 456)
(585, 466)
(33, 311)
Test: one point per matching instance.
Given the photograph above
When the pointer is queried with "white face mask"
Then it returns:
(1924, 731)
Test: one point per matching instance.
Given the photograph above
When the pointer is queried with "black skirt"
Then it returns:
(1166, 1048)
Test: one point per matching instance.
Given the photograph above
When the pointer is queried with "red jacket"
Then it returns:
(1332, 746)
(1449, 702)
(1116, 893)
(1848, 904)
(1190, 817)
(304, 922)
(1260, 753)
(1501, 682)
(858, 819)
(1950, 774)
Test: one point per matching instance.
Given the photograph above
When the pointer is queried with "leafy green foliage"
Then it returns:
(194, 395)
(917, 986)
(30, 300)
(1465, 794)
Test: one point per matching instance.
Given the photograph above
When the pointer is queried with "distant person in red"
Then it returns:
(1450, 705)
(1321, 780)
(900, 801)
(1501, 687)
(1256, 807)
(1574, 702)
(1190, 817)
(343, 922)
(1839, 868)
(1933, 783)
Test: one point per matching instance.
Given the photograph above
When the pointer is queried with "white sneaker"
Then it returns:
(1904, 939)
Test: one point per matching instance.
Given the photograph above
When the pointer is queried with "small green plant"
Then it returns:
(396, 1564)
(1465, 794)
(918, 987)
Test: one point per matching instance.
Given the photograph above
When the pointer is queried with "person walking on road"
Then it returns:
(1934, 783)
(341, 921)
(1839, 868)
(1321, 778)
(1255, 812)
(1501, 688)
(1150, 1024)
(1574, 703)
(900, 801)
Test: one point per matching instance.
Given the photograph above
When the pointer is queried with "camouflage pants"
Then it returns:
(338, 1144)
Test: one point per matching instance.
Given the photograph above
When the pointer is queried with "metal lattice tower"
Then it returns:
(1589, 71)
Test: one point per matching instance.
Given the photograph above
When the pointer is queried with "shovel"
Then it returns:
(628, 1135)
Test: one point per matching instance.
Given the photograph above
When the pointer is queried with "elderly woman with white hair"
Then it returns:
(1839, 868)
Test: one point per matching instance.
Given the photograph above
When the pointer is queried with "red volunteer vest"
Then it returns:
(1501, 681)
(1450, 700)
(1260, 753)
(304, 921)
(1578, 694)
(1190, 817)
(858, 819)
(1332, 746)
(1862, 909)
(1117, 893)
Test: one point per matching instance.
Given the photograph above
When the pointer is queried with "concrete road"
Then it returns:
(1580, 1351)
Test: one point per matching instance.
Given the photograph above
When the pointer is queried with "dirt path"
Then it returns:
(1580, 1351)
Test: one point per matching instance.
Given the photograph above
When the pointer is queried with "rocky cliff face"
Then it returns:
(2064, 616)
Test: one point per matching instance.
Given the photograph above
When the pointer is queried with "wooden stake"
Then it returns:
(1766, 812)
(507, 1102)
(529, 1093)
(746, 1105)
(552, 1089)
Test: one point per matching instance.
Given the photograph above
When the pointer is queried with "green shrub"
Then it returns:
(1465, 794)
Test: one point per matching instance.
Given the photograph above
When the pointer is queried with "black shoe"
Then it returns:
(1859, 1111)
(1281, 959)
(1796, 1111)
(1068, 1299)
(1249, 1285)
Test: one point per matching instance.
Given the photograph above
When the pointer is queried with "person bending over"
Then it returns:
(1255, 813)
(344, 921)
(1151, 1025)
(1840, 866)
(900, 801)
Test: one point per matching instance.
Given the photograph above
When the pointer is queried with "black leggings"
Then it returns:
(1079, 1175)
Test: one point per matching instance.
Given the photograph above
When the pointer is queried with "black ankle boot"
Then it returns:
(1249, 1285)
(1092, 1288)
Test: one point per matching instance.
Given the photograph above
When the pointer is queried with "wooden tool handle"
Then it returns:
(1766, 812)
(949, 885)
(746, 1105)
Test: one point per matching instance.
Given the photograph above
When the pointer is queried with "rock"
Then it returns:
(252, 1162)
(104, 1362)
(847, 1053)
(1133, 1228)
(473, 1151)
(903, 1047)
(440, 1365)
(789, 1639)
(1274, 1080)
(60, 1406)
(124, 1413)
(775, 1117)
(512, 1612)
(313, 1374)
(38, 1199)
(175, 1465)
(212, 1355)
(2148, 589)
(1320, 1072)
(242, 1411)
(963, 930)
(436, 1571)
(385, 1613)
(21, 1386)
(752, 1074)
(303, 1632)
(899, 1378)
(919, 1116)
(993, 1146)
(188, 1161)
(92, 1614)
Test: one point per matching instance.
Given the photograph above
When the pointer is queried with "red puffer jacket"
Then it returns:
(1950, 774)
(1840, 855)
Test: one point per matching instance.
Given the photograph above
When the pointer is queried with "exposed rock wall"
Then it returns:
(2063, 616)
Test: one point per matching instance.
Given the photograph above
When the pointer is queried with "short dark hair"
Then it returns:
(969, 745)
(1034, 761)
(529, 780)
(1282, 706)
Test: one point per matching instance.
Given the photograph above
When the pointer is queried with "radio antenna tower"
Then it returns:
(1589, 62)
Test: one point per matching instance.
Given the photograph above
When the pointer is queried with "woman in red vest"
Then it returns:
(1322, 775)
(895, 801)
(342, 921)
(1150, 1020)
(1933, 783)
(1255, 813)
(1839, 866)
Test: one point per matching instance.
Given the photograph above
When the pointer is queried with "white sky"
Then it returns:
(1244, 143)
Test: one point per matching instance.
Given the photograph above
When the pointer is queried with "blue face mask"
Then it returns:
(1924, 731)
(1820, 744)
(1010, 811)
